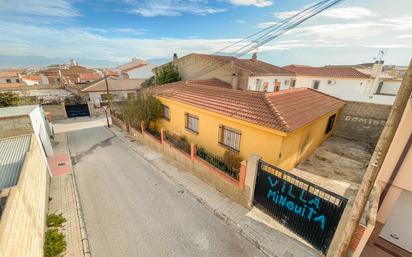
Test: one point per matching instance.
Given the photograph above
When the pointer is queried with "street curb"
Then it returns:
(218, 214)
(83, 231)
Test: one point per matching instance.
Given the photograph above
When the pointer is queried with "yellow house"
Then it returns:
(282, 127)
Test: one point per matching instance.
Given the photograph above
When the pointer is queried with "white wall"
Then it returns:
(117, 96)
(13, 80)
(144, 72)
(361, 90)
(39, 127)
(30, 82)
(390, 87)
(285, 82)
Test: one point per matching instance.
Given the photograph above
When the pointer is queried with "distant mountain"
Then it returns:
(32, 61)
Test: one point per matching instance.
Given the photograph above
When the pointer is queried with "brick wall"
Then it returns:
(362, 121)
(23, 220)
(357, 237)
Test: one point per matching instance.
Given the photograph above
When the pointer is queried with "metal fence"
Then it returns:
(218, 163)
(305, 208)
(178, 143)
(154, 133)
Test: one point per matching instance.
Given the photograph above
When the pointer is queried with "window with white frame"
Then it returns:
(258, 84)
(192, 123)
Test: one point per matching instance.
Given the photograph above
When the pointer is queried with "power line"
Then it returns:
(275, 31)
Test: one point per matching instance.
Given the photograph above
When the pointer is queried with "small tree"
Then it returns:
(167, 73)
(9, 99)
(145, 107)
(148, 82)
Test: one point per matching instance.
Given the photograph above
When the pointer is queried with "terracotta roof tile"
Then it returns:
(32, 77)
(337, 72)
(254, 66)
(114, 85)
(285, 110)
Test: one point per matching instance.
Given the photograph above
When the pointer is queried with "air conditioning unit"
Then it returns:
(331, 82)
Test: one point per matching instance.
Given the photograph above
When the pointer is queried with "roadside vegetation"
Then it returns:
(54, 243)
(145, 107)
(168, 73)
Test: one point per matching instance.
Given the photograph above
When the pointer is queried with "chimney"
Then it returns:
(235, 81)
(375, 76)
(377, 69)
(174, 56)
(254, 56)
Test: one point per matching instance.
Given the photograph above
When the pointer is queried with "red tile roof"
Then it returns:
(114, 84)
(337, 72)
(32, 77)
(90, 76)
(211, 82)
(134, 67)
(286, 110)
(256, 67)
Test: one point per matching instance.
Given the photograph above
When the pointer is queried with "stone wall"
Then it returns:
(57, 111)
(14, 126)
(362, 122)
(23, 221)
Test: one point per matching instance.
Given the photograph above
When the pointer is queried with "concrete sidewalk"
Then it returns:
(269, 240)
(64, 200)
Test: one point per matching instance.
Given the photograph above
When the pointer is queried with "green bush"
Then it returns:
(54, 220)
(54, 243)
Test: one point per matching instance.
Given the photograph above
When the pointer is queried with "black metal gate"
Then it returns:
(305, 208)
(77, 110)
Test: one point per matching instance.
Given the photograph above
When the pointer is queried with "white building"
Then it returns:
(35, 80)
(137, 69)
(348, 83)
(21, 118)
(10, 76)
(119, 89)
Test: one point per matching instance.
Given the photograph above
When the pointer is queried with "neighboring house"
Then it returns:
(119, 89)
(35, 80)
(282, 127)
(9, 76)
(348, 83)
(89, 77)
(136, 69)
(245, 74)
(391, 235)
(27, 119)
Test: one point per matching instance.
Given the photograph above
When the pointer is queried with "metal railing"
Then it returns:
(154, 133)
(178, 143)
(218, 162)
(307, 209)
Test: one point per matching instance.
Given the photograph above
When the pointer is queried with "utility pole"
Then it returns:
(376, 161)
(108, 100)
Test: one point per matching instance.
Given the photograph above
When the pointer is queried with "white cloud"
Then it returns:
(389, 46)
(50, 8)
(263, 25)
(347, 13)
(74, 43)
(172, 8)
(404, 36)
(400, 23)
(257, 3)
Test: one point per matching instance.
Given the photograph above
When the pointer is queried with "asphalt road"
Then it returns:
(131, 209)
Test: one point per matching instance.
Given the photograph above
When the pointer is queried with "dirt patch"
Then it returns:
(339, 159)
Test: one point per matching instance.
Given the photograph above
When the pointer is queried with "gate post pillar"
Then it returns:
(250, 180)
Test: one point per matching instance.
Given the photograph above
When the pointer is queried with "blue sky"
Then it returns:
(117, 30)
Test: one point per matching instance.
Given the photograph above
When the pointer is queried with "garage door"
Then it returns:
(77, 110)
(398, 227)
